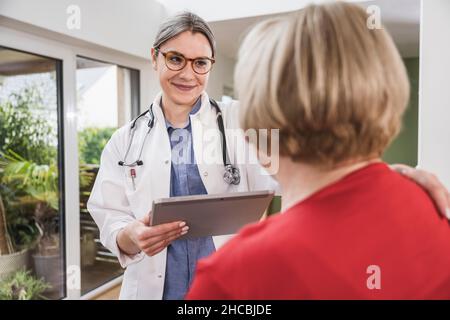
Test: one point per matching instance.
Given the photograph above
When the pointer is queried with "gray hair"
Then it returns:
(184, 21)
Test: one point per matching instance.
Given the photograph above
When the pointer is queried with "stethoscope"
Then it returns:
(231, 174)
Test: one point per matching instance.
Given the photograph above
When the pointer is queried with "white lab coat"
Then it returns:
(115, 202)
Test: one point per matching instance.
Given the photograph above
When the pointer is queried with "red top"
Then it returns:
(324, 247)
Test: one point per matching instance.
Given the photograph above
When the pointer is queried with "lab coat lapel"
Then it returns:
(207, 148)
(151, 270)
(158, 157)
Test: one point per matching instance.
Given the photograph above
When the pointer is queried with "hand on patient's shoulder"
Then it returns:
(430, 183)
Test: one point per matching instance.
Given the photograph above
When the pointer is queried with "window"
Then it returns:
(31, 175)
(404, 148)
(107, 98)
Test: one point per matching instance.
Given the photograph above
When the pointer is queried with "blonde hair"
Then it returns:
(335, 89)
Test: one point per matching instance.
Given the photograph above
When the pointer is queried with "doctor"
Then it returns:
(161, 154)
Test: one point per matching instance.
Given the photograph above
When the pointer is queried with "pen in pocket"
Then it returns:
(133, 176)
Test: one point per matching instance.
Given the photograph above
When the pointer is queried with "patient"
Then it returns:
(351, 228)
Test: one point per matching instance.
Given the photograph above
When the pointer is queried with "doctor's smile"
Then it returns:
(183, 87)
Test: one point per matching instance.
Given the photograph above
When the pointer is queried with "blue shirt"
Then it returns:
(182, 255)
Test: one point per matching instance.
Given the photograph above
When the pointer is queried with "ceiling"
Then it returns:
(400, 17)
(14, 62)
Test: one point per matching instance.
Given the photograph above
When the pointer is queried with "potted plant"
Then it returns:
(28, 133)
(38, 186)
(21, 285)
(10, 259)
(14, 251)
(39, 192)
(88, 249)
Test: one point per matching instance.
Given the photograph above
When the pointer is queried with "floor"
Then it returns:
(111, 294)
(100, 273)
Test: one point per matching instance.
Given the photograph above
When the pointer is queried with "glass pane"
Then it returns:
(107, 98)
(31, 207)
(404, 149)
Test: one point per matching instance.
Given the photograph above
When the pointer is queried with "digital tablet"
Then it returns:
(212, 215)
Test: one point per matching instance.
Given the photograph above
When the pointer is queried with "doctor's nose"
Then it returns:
(187, 73)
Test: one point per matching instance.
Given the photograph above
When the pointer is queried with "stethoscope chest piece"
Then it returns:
(232, 175)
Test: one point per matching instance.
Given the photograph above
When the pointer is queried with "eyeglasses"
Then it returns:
(175, 61)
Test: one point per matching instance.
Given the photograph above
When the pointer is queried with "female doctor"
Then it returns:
(160, 154)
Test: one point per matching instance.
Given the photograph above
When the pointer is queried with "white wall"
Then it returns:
(211, 10)
(97, 105)
(434, 89)
(128, 26)
(221, 75)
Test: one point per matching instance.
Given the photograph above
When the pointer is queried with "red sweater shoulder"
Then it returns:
(322, 247)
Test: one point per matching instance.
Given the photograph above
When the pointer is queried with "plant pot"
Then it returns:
(10, 263)
(88, 250)
(51, 269)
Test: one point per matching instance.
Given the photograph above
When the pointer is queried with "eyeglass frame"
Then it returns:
(158, 50)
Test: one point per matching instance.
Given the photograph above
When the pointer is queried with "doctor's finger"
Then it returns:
(145, 219)
(165, 228)
(430, 183)
(447, 211)
(161, 245)
(150, 242)
(437, 191)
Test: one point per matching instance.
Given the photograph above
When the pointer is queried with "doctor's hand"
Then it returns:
(430, 183)
(138, 236)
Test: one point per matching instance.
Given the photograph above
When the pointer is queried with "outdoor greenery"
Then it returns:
(26, 131)
(28, 158)
(91, 142)
(30, 180)
(29, 169)
(36, 190)
(22, 286)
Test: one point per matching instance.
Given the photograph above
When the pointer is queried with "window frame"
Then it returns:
(34, 40)
(135, 111)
